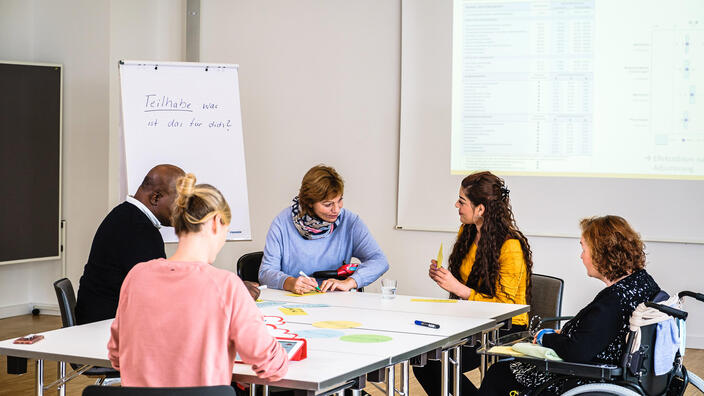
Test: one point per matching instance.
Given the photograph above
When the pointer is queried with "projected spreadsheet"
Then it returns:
(552, 87)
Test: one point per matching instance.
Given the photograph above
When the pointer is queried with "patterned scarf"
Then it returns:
(311, 227)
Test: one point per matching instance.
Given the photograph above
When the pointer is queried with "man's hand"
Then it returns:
(253, 289)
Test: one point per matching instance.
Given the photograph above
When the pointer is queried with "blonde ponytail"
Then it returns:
(197, 204)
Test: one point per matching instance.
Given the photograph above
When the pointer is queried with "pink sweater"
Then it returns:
(181, 324)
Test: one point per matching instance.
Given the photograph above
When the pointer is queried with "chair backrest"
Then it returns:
(220, 390)
(546, 298)
(67, 301)
(248, 266)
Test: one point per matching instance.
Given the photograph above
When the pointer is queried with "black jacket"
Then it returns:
(125, 238)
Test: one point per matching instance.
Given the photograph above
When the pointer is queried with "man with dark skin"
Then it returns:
(127, 236)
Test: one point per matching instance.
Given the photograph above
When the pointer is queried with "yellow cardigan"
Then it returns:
(511, 283)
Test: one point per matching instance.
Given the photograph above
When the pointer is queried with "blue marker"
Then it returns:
(427, 324)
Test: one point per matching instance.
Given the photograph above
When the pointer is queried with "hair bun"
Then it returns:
(185, 186)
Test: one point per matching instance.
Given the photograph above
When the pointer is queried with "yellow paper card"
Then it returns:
(310, 293)
(433, 300)
(439, 260)
(293, 311)
(336, 324)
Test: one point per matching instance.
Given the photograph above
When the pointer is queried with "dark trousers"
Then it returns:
(499, 381)
(429, 375)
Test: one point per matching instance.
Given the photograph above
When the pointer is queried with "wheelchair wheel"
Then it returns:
(600, 390)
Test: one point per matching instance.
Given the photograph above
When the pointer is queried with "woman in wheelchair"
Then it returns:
(613, 253)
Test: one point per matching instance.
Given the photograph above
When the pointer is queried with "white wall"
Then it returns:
(320, 83)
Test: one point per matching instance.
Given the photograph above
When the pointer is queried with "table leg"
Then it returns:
(482, 359)
(494, 338)
(61, 373)
(265, 390)
(444, 371)
(39, 377)
(252, 390)
(390, 381)
(458, 370)
(405, 377)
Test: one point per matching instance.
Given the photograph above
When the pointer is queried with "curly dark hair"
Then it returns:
(616, 249)
(499, 225)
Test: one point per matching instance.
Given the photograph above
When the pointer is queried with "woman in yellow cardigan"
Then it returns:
(491, 261)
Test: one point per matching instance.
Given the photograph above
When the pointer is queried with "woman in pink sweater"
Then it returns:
(180, 321)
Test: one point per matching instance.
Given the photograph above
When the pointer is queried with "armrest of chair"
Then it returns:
(554, 319)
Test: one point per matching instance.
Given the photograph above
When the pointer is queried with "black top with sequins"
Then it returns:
(597, 334)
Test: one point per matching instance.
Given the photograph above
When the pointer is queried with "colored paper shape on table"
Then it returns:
(264, 304)
(307, 305)
(292, 311)
(273, 320)
(434, 300)
(336, 324)
(320, 333)
(365, 338)
(439, 259)
(310, 293)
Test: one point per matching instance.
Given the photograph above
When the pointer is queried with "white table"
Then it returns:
(452, 328)
(462, 308)
(88, 344)
(458, 319)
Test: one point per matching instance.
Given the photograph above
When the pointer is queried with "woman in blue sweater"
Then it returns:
(316, 234)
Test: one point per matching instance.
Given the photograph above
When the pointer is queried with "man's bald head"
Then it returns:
(158, 191)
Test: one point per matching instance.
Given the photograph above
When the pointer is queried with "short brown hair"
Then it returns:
(616, 249)
(196, 204)
(319, 183)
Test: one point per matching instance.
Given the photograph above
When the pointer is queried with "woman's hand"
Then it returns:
(444, 279)
(300, 285)
(538, 337)
(253, 289)
(335, 284)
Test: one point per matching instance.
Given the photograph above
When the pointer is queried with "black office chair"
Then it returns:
(67, 305)
(248, 266)
(220, 390)
(546, 301)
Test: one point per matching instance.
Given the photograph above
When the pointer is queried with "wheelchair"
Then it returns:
(634, 376)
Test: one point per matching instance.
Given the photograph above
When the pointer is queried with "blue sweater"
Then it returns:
(286, 252)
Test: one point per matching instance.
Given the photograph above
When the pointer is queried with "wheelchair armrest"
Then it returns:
(675, 313)
(698, 296)
(554, 319)
(595, 371)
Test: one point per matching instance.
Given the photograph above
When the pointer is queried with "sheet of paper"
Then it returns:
(292, 311)
(310, 293)
(365, 338)
(336, 324)
(433, 300)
